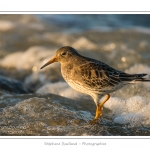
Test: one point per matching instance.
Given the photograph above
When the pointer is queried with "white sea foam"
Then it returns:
(11, 60)
(6, 25)
(83, 42)
(142, 30)
(34, 78)
(140, 68)
(62, 39)
(134, 110)
(61, 88)
(35, 56)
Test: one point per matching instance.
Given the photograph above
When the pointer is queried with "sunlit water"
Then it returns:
(40, 102)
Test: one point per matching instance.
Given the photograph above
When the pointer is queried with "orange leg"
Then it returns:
(99, 109)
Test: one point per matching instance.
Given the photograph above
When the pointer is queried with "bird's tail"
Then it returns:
(142, 80)
(133, 78)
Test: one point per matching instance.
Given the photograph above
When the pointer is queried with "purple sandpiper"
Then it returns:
(91, 76)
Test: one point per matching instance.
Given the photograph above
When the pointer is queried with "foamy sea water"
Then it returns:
(40, 102)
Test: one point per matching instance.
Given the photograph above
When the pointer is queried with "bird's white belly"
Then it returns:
(77, 86)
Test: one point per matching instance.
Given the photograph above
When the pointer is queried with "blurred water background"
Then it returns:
(40, 102)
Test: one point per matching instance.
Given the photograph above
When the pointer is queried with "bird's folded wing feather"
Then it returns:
(100, 76)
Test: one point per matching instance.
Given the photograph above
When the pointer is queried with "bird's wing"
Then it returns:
(100, 76)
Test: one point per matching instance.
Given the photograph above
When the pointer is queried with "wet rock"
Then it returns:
(42, 115)
(11, 85)
(52, 115)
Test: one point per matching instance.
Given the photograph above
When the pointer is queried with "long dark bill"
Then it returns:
(49, 62)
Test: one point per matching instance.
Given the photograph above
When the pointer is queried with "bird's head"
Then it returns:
(63, 55)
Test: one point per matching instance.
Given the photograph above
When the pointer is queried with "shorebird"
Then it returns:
(91, 76)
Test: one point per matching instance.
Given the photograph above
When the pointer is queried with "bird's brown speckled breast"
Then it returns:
(73, 78)
(67, 71)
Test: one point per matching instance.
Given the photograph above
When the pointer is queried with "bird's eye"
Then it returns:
(63, 53)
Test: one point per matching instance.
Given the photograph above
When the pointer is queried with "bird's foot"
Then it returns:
(99, 109)
(97, 115)
(93, 122)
